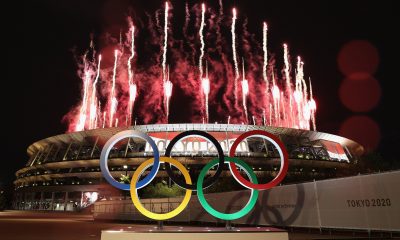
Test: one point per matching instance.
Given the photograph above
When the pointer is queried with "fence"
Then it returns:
(368, 202)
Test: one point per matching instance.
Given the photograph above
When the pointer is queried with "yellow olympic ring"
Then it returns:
(135, 197)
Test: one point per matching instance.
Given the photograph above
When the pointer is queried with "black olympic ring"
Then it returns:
(209, 181)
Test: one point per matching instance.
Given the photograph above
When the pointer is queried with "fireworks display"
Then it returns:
(204, 65)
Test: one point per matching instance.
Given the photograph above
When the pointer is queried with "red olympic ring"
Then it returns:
(284, 156)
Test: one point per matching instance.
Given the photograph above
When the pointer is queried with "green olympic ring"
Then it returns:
(227, 216)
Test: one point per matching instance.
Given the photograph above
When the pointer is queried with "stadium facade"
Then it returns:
(63, 172)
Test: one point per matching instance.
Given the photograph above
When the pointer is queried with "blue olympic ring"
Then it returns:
(106, 151)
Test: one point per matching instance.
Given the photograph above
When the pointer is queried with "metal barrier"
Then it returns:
(364, 202)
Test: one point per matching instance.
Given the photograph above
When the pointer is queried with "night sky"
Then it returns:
(41, 84)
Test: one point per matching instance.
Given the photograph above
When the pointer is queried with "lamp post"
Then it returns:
(126, 169)
(126, 174)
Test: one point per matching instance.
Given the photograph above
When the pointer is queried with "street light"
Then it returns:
(126, 169)
(126, 174)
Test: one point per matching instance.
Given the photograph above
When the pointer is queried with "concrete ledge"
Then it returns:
(193, 233)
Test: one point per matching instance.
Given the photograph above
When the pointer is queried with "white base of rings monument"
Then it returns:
(193, 233)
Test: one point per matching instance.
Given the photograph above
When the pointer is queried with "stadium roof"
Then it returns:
(106, 133)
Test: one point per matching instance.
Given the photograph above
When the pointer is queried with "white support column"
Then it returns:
(127, 147)
(317, 205)
(94, 146)
(81, 200)
(65, 201)
(41, 200)
(66, 152)
(52, 202)
(48, 153)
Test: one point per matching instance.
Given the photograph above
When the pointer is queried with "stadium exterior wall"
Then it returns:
(63, 172)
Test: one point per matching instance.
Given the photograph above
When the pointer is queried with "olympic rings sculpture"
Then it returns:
(233, 162)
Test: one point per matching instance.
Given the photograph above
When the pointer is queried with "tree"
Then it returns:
(125, 179)
(373, 162)
(161, 190)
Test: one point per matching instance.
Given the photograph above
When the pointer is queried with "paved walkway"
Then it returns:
(20, 225)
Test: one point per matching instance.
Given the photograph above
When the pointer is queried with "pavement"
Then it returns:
(19, 225)
(23, 225)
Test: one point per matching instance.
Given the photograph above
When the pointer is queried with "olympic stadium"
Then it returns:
(63, 171)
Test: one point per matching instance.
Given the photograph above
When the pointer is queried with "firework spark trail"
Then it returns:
(305, 100)
(298, 98)
(305, 104)
(288, 83)
(313, 108)
(190, 55)
(245, 92)
(305, 94)
(93, 99)
(91, 46)
(113, 99)
(132, 97)
(275, 96)
(221, 8)
(265, 65)
(130, 72)
(205, 84)
(120, 38)
(203, 10)
(132, 85)
(157, 18)
(167, 92)
(297, 73)
(285, 120)
(167, 85)
(164, 59)
(304, 110)
(287, 68)
(83, 110)
(218, 30)
(187, 18)
(113, 109)
(279, 123)
(234, 53)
